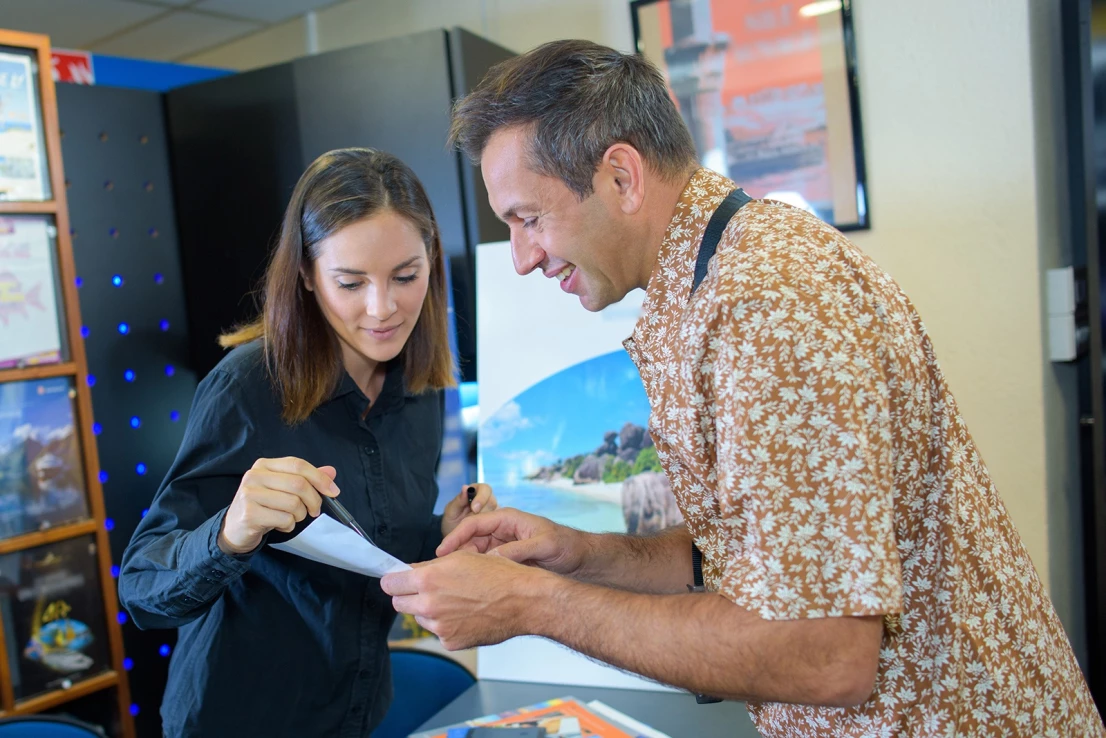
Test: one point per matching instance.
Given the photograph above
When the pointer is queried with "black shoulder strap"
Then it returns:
(717, 225)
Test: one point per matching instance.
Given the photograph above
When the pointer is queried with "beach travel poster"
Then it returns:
(562, 434)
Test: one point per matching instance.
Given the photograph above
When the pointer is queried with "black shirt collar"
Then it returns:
(392, 394)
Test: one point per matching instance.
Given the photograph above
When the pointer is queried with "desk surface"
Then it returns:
(676, 714)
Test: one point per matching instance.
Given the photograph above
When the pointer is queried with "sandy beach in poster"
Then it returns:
(601, 491)
(563, 416)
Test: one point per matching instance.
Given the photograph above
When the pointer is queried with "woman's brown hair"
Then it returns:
(302, 353)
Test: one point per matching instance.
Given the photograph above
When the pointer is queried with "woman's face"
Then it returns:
(370, 280)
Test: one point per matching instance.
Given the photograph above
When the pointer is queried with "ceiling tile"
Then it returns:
(74, 24)
(270, 11)
(178, 34)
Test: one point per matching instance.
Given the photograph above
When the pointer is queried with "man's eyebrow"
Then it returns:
(512, 212)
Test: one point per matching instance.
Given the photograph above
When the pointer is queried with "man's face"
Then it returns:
(581, 244)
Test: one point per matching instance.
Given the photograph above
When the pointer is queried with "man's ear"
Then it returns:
(625, 172)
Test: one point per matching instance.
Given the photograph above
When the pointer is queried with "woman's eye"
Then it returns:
(349, 285)
(407, 278)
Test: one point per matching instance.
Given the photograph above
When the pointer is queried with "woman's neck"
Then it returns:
(366, 373)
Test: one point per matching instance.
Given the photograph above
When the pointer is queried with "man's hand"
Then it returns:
(467, 599)
(460, 507)
(522, 538)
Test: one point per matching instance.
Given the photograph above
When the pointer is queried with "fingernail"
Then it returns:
(476, 507)
(334, 488)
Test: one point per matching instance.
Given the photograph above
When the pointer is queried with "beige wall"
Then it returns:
(961, 172)
(515, 24)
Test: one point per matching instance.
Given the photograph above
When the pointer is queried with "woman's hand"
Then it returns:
(459, 507)
(275, 495)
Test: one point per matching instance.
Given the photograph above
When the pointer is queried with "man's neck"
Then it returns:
(659, 209)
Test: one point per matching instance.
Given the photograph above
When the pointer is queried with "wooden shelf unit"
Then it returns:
(76, 366)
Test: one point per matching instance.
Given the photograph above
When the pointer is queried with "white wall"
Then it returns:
(965, 216)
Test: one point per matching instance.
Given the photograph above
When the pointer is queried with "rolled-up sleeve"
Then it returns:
(805, 460)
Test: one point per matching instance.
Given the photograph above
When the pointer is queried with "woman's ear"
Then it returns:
(308, 282)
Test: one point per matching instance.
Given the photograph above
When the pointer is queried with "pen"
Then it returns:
(339, 511)
(472, 493)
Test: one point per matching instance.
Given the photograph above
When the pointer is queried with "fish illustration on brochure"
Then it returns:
(564, 717)
(30, 332)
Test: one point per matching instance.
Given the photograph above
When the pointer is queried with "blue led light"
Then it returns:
(164, 650)
(145, 511)
(129, 375)
(122, 618)
(117, 281)
(114, 233)
(103, 477)
(136, 422)
(140, 468)
(169, 370)
(134, 709)
(85, 331)
(124, 328)
(91, 379)
(109, 524)
(164, 325)
(97, 429)
(78, 281)
(174, 415)
(128, 663)
(114, 571)
(158, 279)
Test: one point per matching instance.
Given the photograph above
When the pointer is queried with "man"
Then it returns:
(862, 575)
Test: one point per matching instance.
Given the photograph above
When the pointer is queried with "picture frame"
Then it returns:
(769, 91)
(43, 484)
(51, 605)
(24, 171)
(32, 330)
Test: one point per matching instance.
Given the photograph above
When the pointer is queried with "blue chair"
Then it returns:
(424, 684)
(47, 726)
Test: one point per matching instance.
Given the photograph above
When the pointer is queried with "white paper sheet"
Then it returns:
(329, 542)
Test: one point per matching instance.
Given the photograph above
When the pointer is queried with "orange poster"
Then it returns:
(561, 718)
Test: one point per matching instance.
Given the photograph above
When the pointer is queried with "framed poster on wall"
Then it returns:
(53, 615)
(768, 89)
(563, 434)
(42, 482)
(30, 328)
(23, 172)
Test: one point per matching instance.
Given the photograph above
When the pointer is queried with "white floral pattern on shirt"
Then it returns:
(824, 470)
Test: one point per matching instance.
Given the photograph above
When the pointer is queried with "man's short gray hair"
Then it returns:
(579, 98)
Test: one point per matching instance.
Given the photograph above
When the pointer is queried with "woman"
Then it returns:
(333, 391)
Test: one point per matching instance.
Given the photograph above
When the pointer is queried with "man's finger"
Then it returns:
(473, 527)
(483, 495)
(427, 624)
(522, 551)
(408, 604)
(400, 583)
